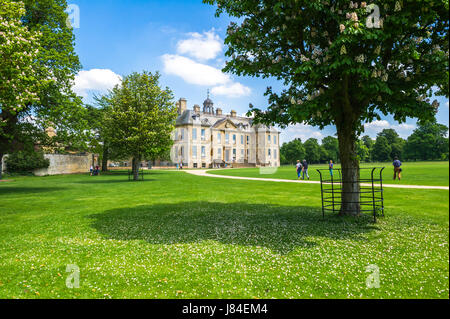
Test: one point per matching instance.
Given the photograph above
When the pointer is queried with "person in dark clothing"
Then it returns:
(305, 169)
(397, 169)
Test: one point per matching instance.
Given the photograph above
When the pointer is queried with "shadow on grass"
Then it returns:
(125, 173)
(279, 228)
(27, 190)
(97, 180)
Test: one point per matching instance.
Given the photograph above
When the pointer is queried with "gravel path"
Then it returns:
(205, 173)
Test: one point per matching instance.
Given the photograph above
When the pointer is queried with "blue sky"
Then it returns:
(183, 40)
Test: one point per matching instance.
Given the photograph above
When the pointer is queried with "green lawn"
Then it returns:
(181, 236)
(414, 173)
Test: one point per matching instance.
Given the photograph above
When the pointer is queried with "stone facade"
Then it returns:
(62, 164)
(65, 164)
(209, 139)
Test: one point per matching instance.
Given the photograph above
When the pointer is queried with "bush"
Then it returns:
(25, 162)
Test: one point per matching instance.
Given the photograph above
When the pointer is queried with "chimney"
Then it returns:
(218, 111)
(196, 108)
(182, 105)
(233, 113)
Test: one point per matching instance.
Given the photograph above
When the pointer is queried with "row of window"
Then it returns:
(219, 137)
(219, 152)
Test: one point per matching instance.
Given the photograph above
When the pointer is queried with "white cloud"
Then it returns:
(404, 129)
(201, 74)
(302, 131)
(381, 125)
(193, 72)
(404, 126)
(204, 46)
(95, 80)
(231, 90)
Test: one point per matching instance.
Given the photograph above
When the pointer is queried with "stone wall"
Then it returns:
(3, 164)
(66, 164)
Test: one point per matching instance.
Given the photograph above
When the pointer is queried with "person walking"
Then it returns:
(305, 169)
(397, 169)
(299, 169)
(331, 166)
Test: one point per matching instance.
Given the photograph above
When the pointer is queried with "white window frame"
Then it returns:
(203, 134)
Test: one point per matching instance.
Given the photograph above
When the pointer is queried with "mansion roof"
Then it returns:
(189, 117)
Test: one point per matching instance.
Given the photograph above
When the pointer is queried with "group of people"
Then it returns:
(302, 169)
(95, 171)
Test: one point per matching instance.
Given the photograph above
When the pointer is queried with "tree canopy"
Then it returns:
(37, 68)
(428, 142)
(141, 118)
(334, 61)
(341, 62)
(19, 82)
(292, 151)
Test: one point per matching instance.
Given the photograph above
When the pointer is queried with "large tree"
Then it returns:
(368, 142)
(363, 151)
(395, 142)
(37, 68)
(19, 84)
(331, 145)
(59, 107)
(293, 151)
(382, 149)
(99, 143)
(342, 63)
(141, 119)
(428, 142)
(312, 150)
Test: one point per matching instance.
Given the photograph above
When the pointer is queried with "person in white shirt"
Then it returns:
(299, 169)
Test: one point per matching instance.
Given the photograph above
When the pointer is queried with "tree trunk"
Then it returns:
(136, 164)
(350, 170)
(1, 166)
(105, 159)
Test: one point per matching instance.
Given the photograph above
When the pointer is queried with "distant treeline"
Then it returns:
(428, 142)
